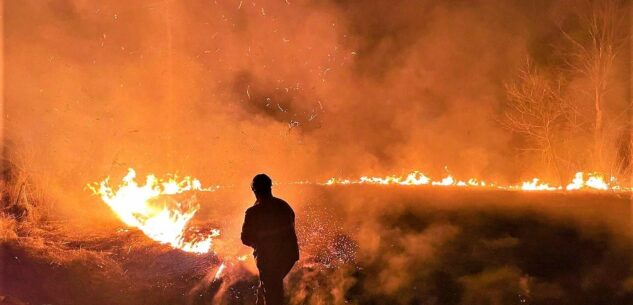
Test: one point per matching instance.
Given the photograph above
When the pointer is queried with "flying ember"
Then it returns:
(151, 208)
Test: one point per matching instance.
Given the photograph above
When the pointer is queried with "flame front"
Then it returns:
(139, 206)
(537, 185)
(581, 181)
(594, 181)
(145, 206)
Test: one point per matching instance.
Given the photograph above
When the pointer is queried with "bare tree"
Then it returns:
(593, 54)
(538, 111)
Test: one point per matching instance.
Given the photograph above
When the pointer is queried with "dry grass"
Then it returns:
(447, 244)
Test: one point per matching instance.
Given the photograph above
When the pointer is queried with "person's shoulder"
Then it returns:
(277, 199)
(283, 203)
(253, 209)
(280, 201)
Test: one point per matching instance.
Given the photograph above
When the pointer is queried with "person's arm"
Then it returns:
(248, 234)
(293, 236)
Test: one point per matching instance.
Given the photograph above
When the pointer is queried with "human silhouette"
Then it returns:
(269, 228)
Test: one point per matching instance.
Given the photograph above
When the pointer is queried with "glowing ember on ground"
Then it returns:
(148, 208)
(218, 274)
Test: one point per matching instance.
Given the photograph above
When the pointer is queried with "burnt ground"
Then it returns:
(360, 245)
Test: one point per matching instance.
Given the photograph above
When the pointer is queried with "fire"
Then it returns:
(448, 180)
(536, 185)
(149, 208)
(413, 178)
(581, 181)
(146, 207)
(594, 181)
(218, 273)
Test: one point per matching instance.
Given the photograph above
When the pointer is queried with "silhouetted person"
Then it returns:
(269, 227)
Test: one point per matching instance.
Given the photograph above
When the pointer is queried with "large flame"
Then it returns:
(593, 181)
(146, 207)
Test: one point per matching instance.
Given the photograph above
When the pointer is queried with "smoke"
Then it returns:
(298, 89)
(365, 245)
(306, 90)
(460, 248)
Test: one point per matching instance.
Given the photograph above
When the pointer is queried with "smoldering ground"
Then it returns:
(361, 245)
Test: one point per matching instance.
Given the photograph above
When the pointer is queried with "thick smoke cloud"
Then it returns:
(305, 90)
(299, 89)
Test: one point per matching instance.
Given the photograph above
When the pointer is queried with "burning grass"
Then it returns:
(44, 263)
(360, 245)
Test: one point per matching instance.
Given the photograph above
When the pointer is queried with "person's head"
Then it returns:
(262, 185)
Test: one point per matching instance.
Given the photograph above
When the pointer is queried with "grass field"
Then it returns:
(360, 245)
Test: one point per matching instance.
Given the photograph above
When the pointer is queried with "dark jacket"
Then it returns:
(269, 227)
